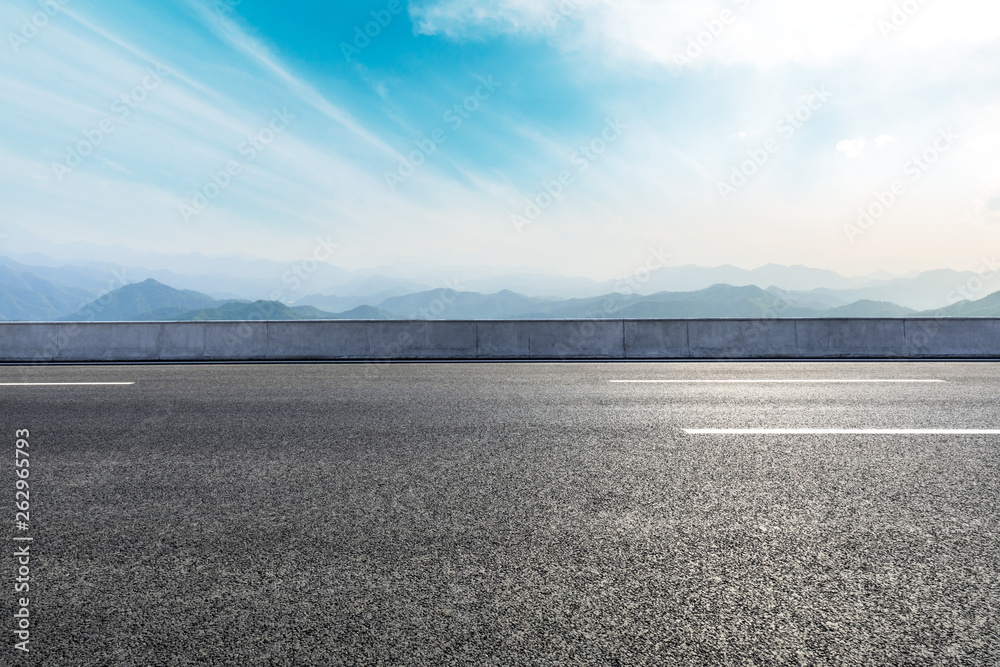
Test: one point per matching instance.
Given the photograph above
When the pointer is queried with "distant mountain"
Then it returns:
(275, 310)
(339, 303)
(986, 307)
(24, 296)
(148, 300)
(691, 278)
(540, 285)
(330, 287)
(715, 301)
(925, 291)
(258, 310)
(366, 313)
(380, 285)
(87, 280)
(813, 300)
(151, 300)
(869, 309)
(441, 304)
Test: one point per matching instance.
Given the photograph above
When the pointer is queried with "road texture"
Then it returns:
(507, 514)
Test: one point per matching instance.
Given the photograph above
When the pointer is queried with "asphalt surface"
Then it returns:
(506, 514)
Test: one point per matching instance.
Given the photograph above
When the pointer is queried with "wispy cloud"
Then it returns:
(759, 34)
(231, 33)
(852, 148)
(566, 67)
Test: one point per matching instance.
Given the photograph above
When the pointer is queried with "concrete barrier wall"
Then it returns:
(912, 338)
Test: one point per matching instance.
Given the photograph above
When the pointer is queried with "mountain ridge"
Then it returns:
(151, 300)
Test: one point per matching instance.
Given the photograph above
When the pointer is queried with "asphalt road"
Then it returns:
(506, 514)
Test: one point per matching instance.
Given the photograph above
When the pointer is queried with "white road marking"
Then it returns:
(777, 381)
(62, 384)
(838, 431)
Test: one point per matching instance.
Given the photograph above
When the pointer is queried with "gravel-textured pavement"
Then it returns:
(506, 514)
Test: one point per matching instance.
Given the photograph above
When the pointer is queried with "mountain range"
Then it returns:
(329, 287)
(95, 291)
(151, 300)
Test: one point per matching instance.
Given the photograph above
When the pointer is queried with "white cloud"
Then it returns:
(463, 18)
(883, 140)
(759, 34)
(852, 148)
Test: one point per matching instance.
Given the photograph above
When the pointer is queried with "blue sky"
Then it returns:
(572, 136)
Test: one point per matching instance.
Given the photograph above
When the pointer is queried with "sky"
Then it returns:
(575, 136)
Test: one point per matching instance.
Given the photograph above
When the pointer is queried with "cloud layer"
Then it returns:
(706, 93)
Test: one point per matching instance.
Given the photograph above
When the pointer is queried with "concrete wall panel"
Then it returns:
(422, 339)
(575, 339)
(543, 339)
(322, 340)
(502, 340)
(742, 339)
(128, 341)
(846, 338)
(657, 339)
(233, 341)
(972, 337)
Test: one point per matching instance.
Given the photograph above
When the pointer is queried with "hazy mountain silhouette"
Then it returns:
(90, 281)
(334, 289)
(691, 278)
(715, 301)
(365, 313)
(25, 296)
(275, 310)
(151, 300)
(256, 310)
(925, 291)
(148, 300)
(452, 305)
(988, 306)
(867, 308)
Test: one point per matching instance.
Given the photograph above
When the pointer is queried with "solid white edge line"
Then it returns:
(777, 381)
(825, 431)
(63, 384)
